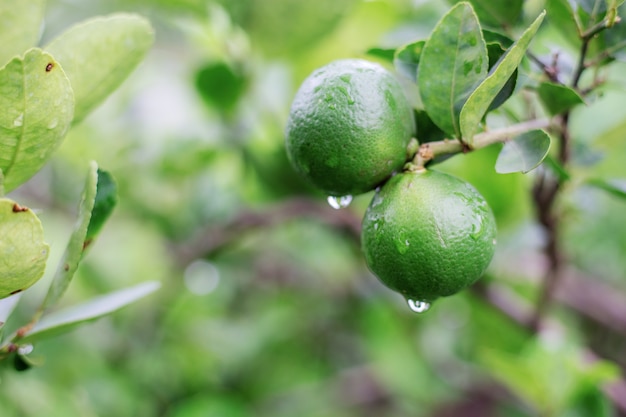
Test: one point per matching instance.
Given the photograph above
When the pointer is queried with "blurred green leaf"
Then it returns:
(23, 252)
(105, 202)
(220, 86)
(22, 363)
(7, 305)
(386, 54)
(76, 245)
(593, 7)
(497, 12)
(591, 402)
(67, 319)
(557, 168)
(558, 98)
(21, 26)
(37, 106)
(99, 54)
(285, 27)
(407, 58)
(549, 378)
(561, 16)
(615, 187)
(481, 98)
(453, 61)
(524, 153)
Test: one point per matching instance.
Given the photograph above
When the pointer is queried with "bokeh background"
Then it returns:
(267, 307)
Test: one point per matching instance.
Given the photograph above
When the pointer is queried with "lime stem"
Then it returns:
(429, 150)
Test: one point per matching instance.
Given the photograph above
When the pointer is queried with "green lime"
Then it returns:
(427, 235)
(349, 127)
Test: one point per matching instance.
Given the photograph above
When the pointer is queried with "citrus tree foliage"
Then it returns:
(44, 89)
(269, 307)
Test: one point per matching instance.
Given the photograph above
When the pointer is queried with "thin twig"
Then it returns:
(214, 239)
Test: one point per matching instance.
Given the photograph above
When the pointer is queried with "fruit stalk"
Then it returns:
(430, 150)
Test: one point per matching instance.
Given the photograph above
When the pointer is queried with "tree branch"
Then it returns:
(216, 238)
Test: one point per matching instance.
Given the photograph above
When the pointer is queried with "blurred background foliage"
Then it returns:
(271, 314)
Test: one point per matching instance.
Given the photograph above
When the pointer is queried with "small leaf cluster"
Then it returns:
(469, 66)
(44, 91)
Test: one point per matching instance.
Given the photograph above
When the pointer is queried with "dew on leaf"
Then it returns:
(19, 120)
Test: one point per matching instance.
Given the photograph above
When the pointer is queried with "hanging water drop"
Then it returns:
(25, 349)
(339, 202)
(418, 306)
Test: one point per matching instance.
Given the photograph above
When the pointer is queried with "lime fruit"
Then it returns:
(427, 234)
(349, 127)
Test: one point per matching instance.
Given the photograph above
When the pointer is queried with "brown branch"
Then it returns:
(593, 299)
(516, 309)
(216, 238)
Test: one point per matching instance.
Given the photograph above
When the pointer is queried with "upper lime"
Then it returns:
(348, 127)
(428, 235)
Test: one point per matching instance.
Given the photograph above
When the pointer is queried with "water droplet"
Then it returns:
(494, 241)
(201, 277)
(339, 202)
(418, 306)
(53, 123)
(25, 349)
(19, 120)
(332, 106)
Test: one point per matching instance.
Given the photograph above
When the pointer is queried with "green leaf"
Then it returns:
(76, 245)
(105, 202)
(479, 101)
(220, 86)
(23, 252)
(407, 58)
(524, 153)
(558, 98)
(498, 12)
(495, 53)
(67, 319)
(496, 37)
(21, 26)
(99, 54)
(562, 16)
(614, 187)
(36, 108)
(385, 54)
(454, 60)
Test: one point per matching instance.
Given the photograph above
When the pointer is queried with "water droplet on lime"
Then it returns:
(418, 306)
(339, 202)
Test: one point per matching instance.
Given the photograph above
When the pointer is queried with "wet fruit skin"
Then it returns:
(348, 127)
(428, 235)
